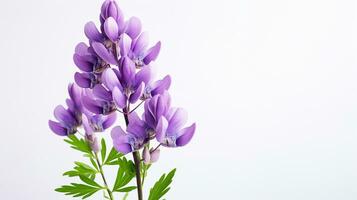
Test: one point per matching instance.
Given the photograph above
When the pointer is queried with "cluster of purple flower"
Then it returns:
(116, 73)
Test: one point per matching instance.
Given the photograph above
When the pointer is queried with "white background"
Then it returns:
(271, 84)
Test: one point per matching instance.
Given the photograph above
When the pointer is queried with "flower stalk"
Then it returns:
(136, 158)
(110, 193)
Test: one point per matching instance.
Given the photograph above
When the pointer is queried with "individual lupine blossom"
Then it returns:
(68, 119)
(168, 121)
(134, 138)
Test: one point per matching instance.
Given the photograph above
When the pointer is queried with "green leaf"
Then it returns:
(104, 150)
(79, 144)
(161, 187)
(82, 169)
(112, 158)
(89, 181)
(126, 172)
(127, 189)
(78, 190)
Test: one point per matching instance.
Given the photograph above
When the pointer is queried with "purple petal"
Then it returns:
(75, 93)
(160, 86)
(82, 64)
(152, 54)
(178, 119)
(137, 128)
(128, 71)
(81, 49)
(111, 29)
(141, 44)
(57, 128)
(109, 120)
(133, 27)
(161, 129)
(144, 75)
(120, 140)
(87, 128)
(92, 33)
(137, 94)
(125, 45)
(110, 79)
(154, 155)
(185, 135)
(62, 115)
(92, 105)
(102, 93)
(119, 98)
(104, 53)
(83, 79)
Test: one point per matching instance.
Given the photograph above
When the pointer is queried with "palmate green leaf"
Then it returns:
(79, 144)
(125, 174)
(103, 151)
(78, 190)
(161, 187)
(112, 158)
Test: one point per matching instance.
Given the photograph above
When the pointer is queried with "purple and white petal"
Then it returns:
(92, 33)
(152, 53)
(82, 63)
(140, 44)
(133, 27)
(92, 105)
(134, 97)
(111, 29)
(144, 75)
(177, 120)
(109, 120)
(102, 93)
(62, 115)
(57, 128)
(84, 80)
(185, 135)
(125, 45)
(104, 53)
(119, 98)
(161, 130)
(110, 79)
(161, 85)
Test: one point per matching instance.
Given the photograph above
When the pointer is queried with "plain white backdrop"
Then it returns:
(272, 86)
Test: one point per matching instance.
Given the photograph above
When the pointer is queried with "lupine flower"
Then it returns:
(156, 107)
(137, 50)
(68, 119)
(134, 138)
(158, 87)
(100, 123)
(170, 131)
(97, 105)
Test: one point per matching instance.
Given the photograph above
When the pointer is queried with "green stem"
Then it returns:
(137, 161)
(103, 177)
